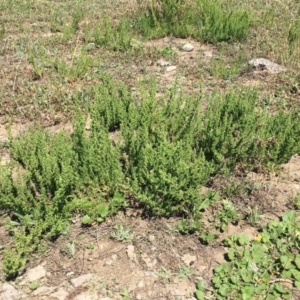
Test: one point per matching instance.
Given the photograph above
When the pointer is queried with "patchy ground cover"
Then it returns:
(118, 181)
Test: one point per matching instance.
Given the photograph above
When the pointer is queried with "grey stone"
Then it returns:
(188, 259)
(9, 292)
(130, 252)
(36, 273)
(81, 279)
(163, 63)
(61, 294)
(85, 296)
(188, 47)
(151, 238)
(266, 64)
(43, 290)
(171, 68)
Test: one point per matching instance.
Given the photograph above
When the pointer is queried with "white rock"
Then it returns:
(208, 54)
(8, 292)
(163, 63)
(141, 284)
(151, 238)
(81, 279)
(273, 68)
(188, 259)
(148, 261)
(130, 252)
(109, 262)
(36, 273)
(188, 47)
(61, 294)
(85, 296)
(43, 290)
(171, 68)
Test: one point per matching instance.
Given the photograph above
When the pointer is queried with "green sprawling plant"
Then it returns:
(259, 268)
(203, 20)
(38, 198)
(158, 152)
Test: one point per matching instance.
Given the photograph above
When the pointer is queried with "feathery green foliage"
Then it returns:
(158, 151)
(235, 131)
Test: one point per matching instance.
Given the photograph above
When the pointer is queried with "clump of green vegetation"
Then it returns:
(235, 131)
(158, 152)
(77, 68)
(117, 37)
(67, 25)
(203, 20)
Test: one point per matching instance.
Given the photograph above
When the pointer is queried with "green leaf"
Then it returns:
(243, 239)
(246, 275)
(258, 252)
(205, 204)
(289, 217)
(223, 291)
(297, 261)
(103, 210)
(199, 295)
(200, 285)
(297, 284)
(86, 220)
(34, 285)
(296, 273)
(247, 292)
(286, 262)
(231, 253)
(14, 223)
(286, 274)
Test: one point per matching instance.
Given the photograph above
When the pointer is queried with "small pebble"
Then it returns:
(188, 47)
(171, 68)
(151, 238)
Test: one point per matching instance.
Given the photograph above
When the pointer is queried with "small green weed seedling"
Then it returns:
(227, 70)
(254, 218)
(38, 58)
(226, 215)
(69, 250)
(76, 69)
(90, 246)
(125, 295)
(122, 234)
(167, 52)
(185, 272)
(164, 274)
(188, 226)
